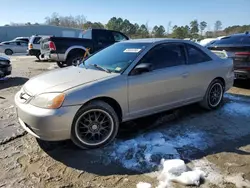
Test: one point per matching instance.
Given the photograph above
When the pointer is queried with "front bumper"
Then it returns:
(5, 70)
(242, 74)
(46, 124)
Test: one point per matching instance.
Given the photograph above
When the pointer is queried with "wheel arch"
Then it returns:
(221, 79)
(73, 49)
(112, 102)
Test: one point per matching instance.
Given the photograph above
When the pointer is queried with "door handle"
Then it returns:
(186, 74)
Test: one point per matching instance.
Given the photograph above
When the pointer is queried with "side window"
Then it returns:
(118, 37)
(18, 43)
(165, 55)
(195, 55)
(36, 40)
(104, 36)
(24, 44)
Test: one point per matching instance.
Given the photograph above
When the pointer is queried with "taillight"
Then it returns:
(30, 46)
(242, 53)
(52, 45)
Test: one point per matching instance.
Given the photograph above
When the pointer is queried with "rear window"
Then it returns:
(233, 40)
(86, 34)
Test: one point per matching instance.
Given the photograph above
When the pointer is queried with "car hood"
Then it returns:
(4, 58)
(63, 79)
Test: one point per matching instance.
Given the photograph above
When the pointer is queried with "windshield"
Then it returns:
(115, 58)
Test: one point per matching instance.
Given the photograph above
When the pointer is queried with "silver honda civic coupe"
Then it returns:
(124, 81)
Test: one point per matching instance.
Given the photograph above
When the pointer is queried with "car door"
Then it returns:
(200, 68)
(24, 47)
(164, 86)
(103, 39)
(16, 46)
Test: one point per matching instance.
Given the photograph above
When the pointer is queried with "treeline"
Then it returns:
(195, 29)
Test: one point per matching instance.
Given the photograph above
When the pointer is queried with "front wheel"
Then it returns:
(8, 52)
(95, 125)
(214, 95)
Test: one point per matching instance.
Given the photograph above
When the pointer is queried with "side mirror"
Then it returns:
(141, 68)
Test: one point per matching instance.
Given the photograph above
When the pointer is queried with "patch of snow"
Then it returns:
(175, 170)
(189, 177)
(143, 185)
(174, 166)
(236, 98)
(145, 151)
(235, 108)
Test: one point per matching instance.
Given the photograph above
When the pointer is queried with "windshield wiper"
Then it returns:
(100, 68)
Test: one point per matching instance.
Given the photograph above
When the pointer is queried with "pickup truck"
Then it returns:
(67, 51)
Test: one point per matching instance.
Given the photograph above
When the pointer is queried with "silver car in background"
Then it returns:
(15, 46)
(127, 80)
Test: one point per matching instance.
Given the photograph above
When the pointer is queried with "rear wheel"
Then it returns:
(61, 64)
(95, 125)
(74, 59)
(214, 95)
(8, 52)
(38, 56)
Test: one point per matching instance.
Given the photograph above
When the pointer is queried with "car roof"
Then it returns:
(247, 34)
(153, 40)
(22, 38)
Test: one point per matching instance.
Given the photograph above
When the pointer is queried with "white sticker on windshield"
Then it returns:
(118, 68)
(132, 50)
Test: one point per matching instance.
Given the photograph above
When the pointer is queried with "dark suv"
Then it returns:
(238, 45)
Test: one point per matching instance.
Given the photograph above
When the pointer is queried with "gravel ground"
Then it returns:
(218, 142)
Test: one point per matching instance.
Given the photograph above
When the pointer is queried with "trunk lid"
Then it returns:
(239, 53)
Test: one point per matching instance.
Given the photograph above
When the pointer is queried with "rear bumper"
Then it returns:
(242, 74)
(54, 56)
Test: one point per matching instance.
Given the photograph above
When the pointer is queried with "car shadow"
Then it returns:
(97, 160)
(245, 84)
(8, 82)
(70, 155)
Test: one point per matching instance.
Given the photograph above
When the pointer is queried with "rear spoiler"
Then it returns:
(222, 54)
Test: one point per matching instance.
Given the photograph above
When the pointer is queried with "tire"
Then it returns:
(105, 115)
(211, 100)
(38, 56)
(71, 60)
(61, 64)
(8, 52)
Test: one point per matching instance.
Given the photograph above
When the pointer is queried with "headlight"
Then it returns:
(48, 100)
(4, 62)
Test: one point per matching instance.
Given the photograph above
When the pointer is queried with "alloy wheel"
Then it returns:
(94, 127)
(215, 94)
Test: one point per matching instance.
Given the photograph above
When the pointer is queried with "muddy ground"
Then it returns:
(218, 142)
